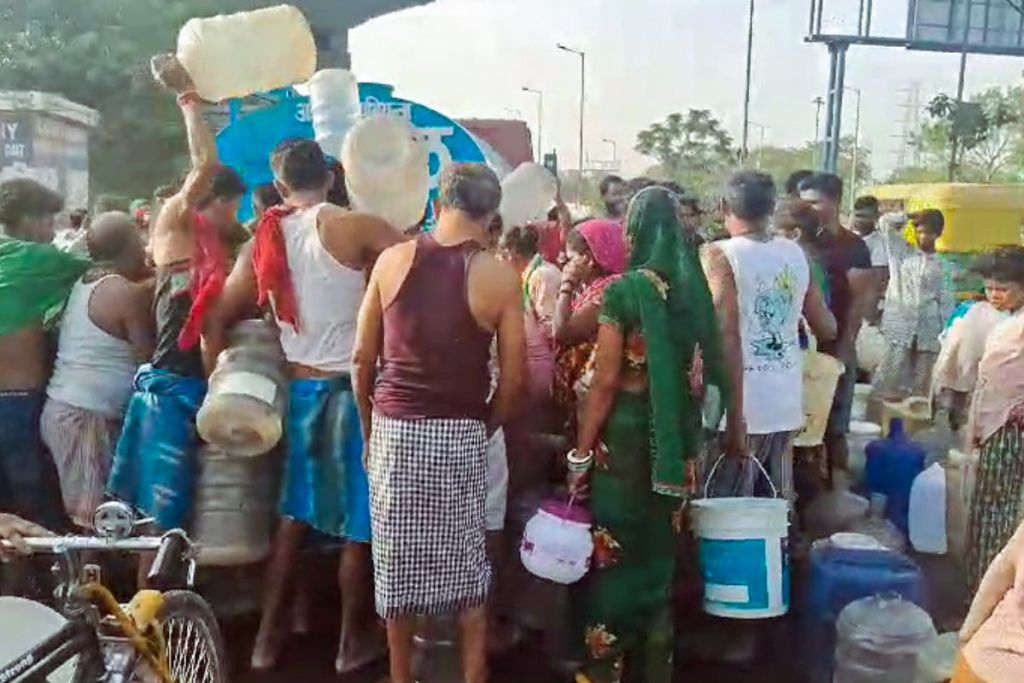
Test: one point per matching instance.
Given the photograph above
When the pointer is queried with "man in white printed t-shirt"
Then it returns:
(761, 287)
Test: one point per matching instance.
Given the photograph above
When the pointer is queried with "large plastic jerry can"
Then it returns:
(892, 465)
(234, 55)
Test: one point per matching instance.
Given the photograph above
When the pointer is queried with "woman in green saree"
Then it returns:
(638, 443)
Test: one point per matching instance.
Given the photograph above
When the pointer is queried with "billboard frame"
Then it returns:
(838, 45)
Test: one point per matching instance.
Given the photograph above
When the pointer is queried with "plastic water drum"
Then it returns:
(526, 194)
(386, 170)
(239, 54)
(335, 107)
(879, 639)
(744, 555)
(821, 375)
(845, 568)
(557, 544)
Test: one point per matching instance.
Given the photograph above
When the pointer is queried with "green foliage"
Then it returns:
(989, 128)
(96, 52)
(694, 149)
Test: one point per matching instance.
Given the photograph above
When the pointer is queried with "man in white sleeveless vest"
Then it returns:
(761, 287)
(308, 261)
(105, 334)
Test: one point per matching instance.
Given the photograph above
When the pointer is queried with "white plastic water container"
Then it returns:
(861, 394)
(387, 170)
(25, 624)
(335, 107)
(927, 518)
(526, 195)
(857, 440)
(233, 55)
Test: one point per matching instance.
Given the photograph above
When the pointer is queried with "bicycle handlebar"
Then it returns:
(58, 544)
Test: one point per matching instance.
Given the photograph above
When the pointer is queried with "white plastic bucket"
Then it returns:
(744, 558)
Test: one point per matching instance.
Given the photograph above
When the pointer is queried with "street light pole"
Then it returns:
(615, 148)
(856, 151)
(744, 150)
(760, 150)
(583, 98)
(540, 121)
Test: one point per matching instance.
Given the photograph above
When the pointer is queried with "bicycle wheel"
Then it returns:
(195, 649)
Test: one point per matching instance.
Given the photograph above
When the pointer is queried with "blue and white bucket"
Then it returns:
(744, 556)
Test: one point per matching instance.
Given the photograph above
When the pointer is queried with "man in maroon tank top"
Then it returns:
(431, 310)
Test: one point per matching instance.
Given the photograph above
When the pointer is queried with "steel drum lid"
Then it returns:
(24, 624)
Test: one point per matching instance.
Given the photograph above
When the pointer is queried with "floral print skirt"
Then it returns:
(996, 504)
(624, 611)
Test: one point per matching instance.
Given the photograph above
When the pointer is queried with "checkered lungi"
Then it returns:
(428, 487)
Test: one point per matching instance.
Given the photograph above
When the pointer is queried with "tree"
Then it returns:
(988, 128)
(96, 52)
(694, 149)
(780, 162)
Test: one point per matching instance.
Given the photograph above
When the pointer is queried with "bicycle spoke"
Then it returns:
(191, 660)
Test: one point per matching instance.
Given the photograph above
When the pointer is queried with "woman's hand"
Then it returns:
(573, 272)
(579, 485)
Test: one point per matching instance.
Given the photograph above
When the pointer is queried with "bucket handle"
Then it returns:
(714, 469)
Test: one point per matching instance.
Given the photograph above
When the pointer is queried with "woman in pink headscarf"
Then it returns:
(597, 256)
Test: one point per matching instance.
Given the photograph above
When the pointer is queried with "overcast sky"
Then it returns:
(646, 59)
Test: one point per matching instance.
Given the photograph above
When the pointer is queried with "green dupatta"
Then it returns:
(665, 295)
(35, 280)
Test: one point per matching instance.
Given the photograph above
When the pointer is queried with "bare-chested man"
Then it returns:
(315, 298)
(155, 467)
(431, 310)
(35, 279)
(105, 334)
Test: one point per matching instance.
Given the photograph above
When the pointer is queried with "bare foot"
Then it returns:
(266, 649)
(362, 654)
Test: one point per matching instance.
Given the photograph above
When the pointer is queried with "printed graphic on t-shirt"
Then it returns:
(773, 316)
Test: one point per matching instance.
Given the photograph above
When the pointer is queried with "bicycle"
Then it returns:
(159, 637)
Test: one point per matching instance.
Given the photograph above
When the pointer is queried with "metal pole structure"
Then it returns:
(954, 144)
(856, 152)
(760, 149)
(615, 148)
(833, 61)
(744, 149)
(816, 147)
(583, 98)
(540, 121)
(836, 112)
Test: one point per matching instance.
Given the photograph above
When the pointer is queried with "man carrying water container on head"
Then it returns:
(155, 466)
(309, 261)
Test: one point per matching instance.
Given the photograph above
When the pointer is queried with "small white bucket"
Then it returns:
(744, 558)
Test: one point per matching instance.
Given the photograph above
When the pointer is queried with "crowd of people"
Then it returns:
(443, 382)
